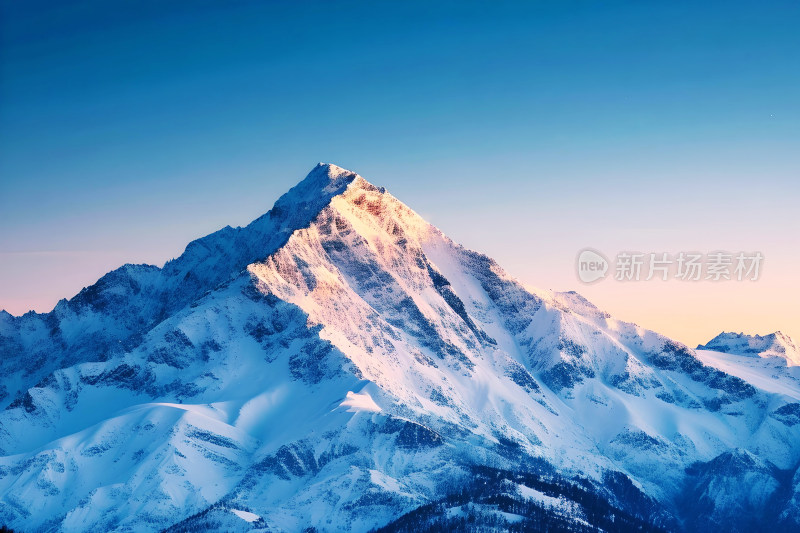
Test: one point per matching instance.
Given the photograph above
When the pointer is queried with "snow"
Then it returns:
(465, 510)
(533, 494)
(771, 374)
(360, 402)
(773, 345)
(247, 516)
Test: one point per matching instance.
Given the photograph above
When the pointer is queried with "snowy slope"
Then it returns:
(340, 363)
(770, 374)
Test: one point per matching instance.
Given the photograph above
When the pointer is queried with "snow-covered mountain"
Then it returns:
(773, 345)
(341, 365)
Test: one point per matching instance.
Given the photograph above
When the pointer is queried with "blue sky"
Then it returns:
(523, 129)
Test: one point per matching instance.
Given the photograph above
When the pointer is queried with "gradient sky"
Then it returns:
(524, 130)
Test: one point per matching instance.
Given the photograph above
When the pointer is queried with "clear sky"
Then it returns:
(526, 130)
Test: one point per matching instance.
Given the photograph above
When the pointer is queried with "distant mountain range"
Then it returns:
(773, 345)
(341, 365)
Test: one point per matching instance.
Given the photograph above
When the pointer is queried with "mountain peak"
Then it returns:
(333, 171)
(330, 176)
(323, 183)
(776, 344)
(339, 362)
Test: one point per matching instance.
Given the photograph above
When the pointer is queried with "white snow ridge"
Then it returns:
(341, 365)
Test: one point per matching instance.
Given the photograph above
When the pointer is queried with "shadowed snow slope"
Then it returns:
(341, 364)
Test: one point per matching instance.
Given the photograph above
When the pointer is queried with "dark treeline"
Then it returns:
(492, 492)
